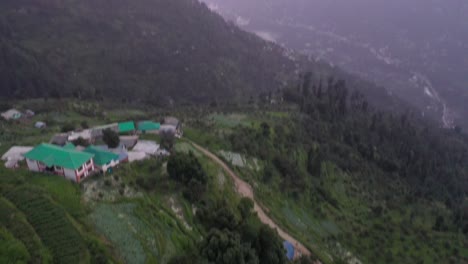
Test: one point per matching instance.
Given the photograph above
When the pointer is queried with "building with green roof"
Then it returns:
(103, 159)
(69, 146)
(72, 164)
(148, 126)
(127, 127)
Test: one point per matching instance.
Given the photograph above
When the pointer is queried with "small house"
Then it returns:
(85, 134)
(146, 146)
(172, 122)
(40, 125)
(12, 114)
(136, 156)
(128, 141)
(97, 132)
(170, 129)
(103, 160)
(69, 146)
(127, 127)
(148, 127)
(121, 151)
(15, 155)
(29, 113)
(59, 139)
(71, 164)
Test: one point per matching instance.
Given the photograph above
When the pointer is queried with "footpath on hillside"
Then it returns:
(245, 190)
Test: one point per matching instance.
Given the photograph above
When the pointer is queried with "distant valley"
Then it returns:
(409, 47)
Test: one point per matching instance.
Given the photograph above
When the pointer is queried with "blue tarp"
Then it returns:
(289, 250)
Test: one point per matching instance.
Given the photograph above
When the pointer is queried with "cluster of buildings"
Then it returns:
(16, 115)
(60, 156)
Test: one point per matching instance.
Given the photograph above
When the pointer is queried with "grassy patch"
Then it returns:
(185, 147)
(228, 120)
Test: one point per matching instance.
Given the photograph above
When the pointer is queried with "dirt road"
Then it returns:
(245, 190)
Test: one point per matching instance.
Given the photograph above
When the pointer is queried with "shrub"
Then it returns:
(111, 138)
(68, 127)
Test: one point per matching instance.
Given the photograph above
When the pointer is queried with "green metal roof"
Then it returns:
(126, 127)
(52, 155)
(69, 146)
(148, 126)
(101, 157)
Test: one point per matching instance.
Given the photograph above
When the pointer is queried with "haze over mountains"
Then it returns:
(417, 49)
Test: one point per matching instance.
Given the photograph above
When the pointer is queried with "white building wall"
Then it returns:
(70, 174)
(32, 165)
(109, 165)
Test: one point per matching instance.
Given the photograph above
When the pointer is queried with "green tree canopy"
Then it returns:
(111, 138)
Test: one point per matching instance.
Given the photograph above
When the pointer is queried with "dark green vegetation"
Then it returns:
(111, 138)
(389, 188)
(234, 235)
(186, 169)
(142, 51)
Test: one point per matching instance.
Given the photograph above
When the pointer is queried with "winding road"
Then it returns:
(245, 190)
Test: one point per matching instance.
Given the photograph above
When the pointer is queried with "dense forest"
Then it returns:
(394, 179)
(145, 50)
(341, 126)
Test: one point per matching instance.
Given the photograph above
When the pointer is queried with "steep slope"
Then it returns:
(151, 51)
(132, 49)
(413, 48)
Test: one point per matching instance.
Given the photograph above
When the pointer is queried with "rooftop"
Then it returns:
(69, 146)
(11, 114)
(146, 146)
(148, 126)
(16, 153)
(126, 127)
(101, 156)
(52, 155)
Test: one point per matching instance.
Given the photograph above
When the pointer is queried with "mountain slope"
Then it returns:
(151, 51)
(413, 48)
(133, 49)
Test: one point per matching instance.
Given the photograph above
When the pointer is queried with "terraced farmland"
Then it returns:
(15, 221)
(51, 224)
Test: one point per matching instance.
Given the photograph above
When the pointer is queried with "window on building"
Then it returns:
(80, 168)
(58, 168)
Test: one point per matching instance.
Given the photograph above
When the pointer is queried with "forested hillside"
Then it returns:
(133, 50)
(154, 51)
(345, 176)
(411, 47)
